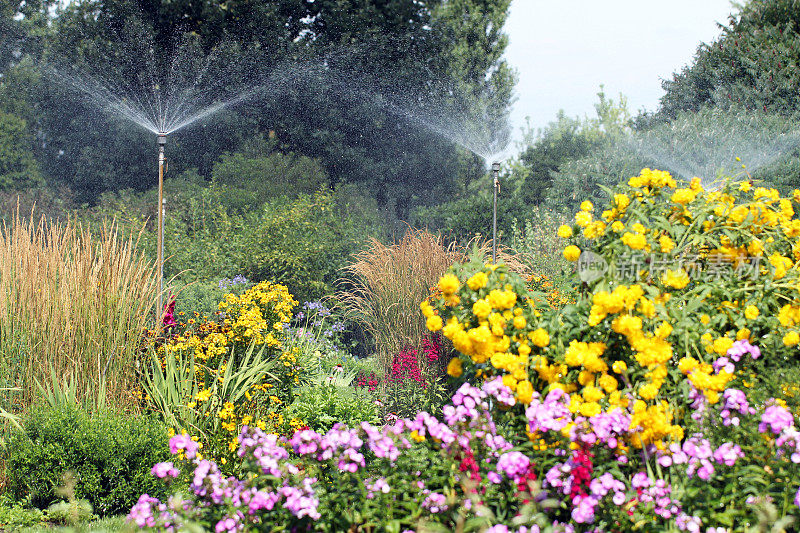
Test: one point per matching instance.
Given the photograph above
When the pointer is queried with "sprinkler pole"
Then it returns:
(162, 140)
(496, 187)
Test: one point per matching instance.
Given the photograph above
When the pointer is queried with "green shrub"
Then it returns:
(110, 456)
(16, 516)
(302, 243)
(323, 406)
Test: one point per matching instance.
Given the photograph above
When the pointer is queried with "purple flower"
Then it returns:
(513, 464)
(162, 470)
(183, 442)
(742, 347)
(776, 418)
(728, 453)
(797, 497)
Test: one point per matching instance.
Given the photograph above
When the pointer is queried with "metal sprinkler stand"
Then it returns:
(496, 187)
(162, 140)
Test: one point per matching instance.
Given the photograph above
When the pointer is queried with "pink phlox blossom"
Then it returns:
(688, 523)
(301, 502)
(228, 524)
(434, 502)
(728, 453)
(500, 392)
(742, 347)
(305, 442)
(550, 415)
(583, 508)
(162, 470)
(350, 460)
(513, 465)
(723, 363)
(776, 418)
(185, 443)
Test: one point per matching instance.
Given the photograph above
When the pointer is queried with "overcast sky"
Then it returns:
(564, 49)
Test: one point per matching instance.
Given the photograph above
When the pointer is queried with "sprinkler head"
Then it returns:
(495, 167)
(162, 139)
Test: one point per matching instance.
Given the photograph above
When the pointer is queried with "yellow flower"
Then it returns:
(586, 205)
(608, 382)
(448, 284)
(478, 281)
(751, 312)
(745, 186)
(675, 279)
(648, 391)
(427, 310)
(540, 337)
(481, 308)
(583, 219)
(722, 345)
(622, 201)
(589, 409)
(509, 381)
(619, 367)
(683, 196)
(667, 244)
(524, 391)
(519, 322)
(635, 241)
(434, 323)
(592, 393)
(572, 253)
(564, 231)
(455, 367)
(791, 339)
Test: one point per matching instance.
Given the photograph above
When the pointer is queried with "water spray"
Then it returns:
(162, 141)
(496, 187)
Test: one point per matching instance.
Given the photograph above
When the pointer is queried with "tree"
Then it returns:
(754, 64)
(18, 168)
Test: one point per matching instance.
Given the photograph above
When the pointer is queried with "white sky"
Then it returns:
(564, 49)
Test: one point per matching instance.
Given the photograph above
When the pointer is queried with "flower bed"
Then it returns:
(649, 403)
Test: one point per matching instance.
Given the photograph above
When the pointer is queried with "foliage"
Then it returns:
(302, 243)
(753, 64)
(244, 180)
(215, 376)
(74, 303)
(320, 407)
(534, 241)
(109, 454)
(18, 168)
(16, 516)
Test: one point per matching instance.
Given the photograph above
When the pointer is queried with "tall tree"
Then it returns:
(755, 64)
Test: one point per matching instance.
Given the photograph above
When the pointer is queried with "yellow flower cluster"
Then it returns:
(259, 315)
(495, 332)
(615, 347)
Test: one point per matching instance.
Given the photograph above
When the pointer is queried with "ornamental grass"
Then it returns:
(73, 304)
(384, 284)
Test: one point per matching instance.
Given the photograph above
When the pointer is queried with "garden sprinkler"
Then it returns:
(496, 187)
(162, 140)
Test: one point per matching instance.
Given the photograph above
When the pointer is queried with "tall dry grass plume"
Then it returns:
(73, 303)
(384, 285)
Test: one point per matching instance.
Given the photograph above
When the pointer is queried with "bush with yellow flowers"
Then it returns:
(232, 372)
(684, 274)
(651, 380)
